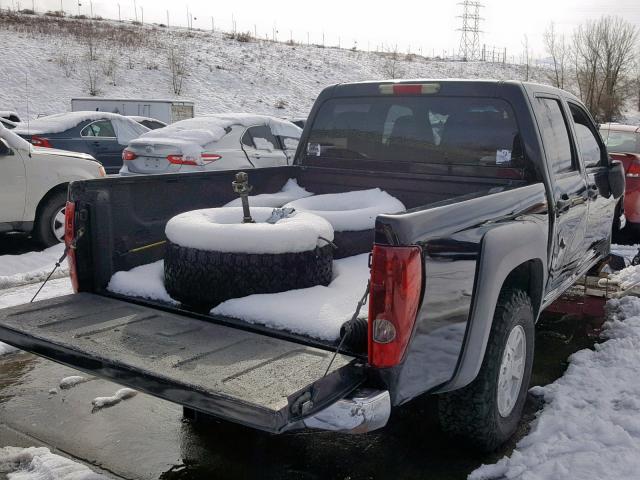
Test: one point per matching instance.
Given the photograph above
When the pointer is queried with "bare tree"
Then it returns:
(93, 77)
(557, 47)
(603, 57)
(391, 64)
(177, 60)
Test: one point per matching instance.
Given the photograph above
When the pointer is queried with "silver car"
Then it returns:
(213, 142)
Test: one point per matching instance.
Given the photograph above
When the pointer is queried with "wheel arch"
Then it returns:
(512, 255)
(60, 188)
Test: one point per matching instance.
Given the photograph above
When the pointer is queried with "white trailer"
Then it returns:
(168, 111)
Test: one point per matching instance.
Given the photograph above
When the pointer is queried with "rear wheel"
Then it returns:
(486, 412)
(49, 228)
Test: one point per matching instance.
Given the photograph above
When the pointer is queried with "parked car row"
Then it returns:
(143, 145)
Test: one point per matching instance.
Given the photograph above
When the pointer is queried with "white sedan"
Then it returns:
(33, 186)
(213, 142)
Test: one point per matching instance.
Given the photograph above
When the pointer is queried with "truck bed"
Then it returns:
(242, 376)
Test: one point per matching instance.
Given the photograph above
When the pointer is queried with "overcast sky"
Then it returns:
(420, 25)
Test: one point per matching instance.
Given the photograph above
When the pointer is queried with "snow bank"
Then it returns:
(40, 464)
(191, 136)
(350, 211)
(31, 267)
(145, 281)
(316, 311)
(13, 140)
(590, 426)
(126, 129)
(105, 402)
(221, 229)
(626, 278)
(290, 191)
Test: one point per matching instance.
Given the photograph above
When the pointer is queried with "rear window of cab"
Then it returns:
(419, 133)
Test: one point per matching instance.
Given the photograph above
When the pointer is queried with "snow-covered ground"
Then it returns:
(31, 267)
(589, 427)
(40, 464)
(224, 75)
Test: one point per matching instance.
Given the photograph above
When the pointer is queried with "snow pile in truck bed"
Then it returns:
(145, 281)
(290, 191)
(627, 277)
(590, 426)
(222, 230)
(318, 311)
(31, 267)
(38, 463)
(350, 211)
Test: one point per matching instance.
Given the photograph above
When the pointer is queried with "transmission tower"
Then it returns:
(470, 36)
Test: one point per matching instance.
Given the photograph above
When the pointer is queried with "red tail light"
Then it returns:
(178, 160)
(396, 284)
(409, 88)
(128, 155)
(40, 142)
(69, 237)
(634, 169)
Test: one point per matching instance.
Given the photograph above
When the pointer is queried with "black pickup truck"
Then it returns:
(510, 198)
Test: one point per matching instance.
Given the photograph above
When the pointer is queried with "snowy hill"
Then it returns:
(223, 74)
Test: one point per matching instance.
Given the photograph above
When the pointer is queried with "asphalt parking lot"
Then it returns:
(144, 437)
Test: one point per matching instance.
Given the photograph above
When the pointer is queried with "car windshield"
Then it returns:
(429, 132)
(621, 142)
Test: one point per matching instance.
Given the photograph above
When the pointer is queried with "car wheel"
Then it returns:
(487, 412)
(49, 228)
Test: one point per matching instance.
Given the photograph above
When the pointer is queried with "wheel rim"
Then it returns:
(57, 224)
(511, 370)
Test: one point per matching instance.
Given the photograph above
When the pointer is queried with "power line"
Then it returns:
(470, 30)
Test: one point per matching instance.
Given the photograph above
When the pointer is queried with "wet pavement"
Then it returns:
(144, 437)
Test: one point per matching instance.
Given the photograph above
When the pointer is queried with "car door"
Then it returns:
(570, 195)
(13, 184)
(262, 148)
(101, 141)
(593, 155)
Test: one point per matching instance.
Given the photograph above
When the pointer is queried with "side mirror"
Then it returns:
(616, 178)
(5, 150)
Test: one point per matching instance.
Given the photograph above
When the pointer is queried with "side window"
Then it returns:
(101, 128)
(586, 137)
(555, 135)
(260, 138)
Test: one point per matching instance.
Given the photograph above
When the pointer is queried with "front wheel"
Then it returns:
(486, 412)
(49, 228)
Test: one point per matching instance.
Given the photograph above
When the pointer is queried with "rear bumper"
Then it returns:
(363, 411)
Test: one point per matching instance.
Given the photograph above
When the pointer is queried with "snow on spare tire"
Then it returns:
(352, 216)
(211, 256)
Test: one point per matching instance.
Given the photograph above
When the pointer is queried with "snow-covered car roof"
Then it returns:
(619, 127)
(61, 122)
(139, 119)
(13, 140)
(193, 134)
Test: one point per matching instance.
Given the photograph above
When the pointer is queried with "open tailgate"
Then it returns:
(242, 376)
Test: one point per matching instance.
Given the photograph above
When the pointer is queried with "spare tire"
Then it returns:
(211, 256)
(352, 216)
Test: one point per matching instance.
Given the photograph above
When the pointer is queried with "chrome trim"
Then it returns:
(363, 411)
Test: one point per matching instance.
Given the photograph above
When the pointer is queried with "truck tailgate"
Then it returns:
(234, 374)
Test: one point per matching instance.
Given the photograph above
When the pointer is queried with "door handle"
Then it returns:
(563, 204)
